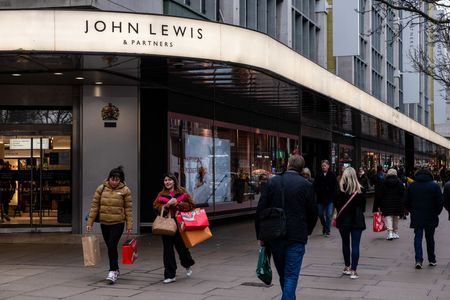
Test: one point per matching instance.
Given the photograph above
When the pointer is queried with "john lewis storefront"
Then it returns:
(212, 102)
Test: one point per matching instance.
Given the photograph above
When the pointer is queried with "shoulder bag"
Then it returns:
(272, 220)
(335, 216)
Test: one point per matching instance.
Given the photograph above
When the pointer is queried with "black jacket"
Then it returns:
(352, 217)
(424, 201)
(447, 198)
(300, 207)
(325, 187)
(390, 197)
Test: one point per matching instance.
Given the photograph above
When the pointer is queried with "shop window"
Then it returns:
(42, 116)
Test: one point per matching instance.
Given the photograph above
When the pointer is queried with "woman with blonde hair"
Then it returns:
(350, 205)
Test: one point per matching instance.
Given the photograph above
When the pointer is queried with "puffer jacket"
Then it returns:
(115, 205)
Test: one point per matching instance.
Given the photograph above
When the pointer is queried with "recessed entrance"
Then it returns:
(35, 180)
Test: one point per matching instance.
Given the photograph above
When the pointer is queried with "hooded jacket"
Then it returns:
(424, 201)
(115, 205)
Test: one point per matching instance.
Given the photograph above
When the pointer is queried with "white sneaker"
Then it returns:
(112, 276)
(390, 236)
(169, 280)
(354, 275)
(396, 236)
(189, 272)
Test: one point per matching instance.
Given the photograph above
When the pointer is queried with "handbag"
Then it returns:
(193, 220)
(272, 220)
(129, 251)
(263, 268)
(91, 250)
(164, 225)
(378, 222)
(336, 214)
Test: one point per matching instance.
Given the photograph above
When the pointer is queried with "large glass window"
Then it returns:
(224, 166)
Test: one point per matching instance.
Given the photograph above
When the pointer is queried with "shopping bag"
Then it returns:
(263, 269)
(129, 251)
(378, 222)
(164, 225)
(333, 222)
(195, 237)
(193, 220)
(91, 250)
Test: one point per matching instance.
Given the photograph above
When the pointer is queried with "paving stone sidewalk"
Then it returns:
(50, 266)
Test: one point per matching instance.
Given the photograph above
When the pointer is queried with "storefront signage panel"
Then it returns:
(125, 33)
(18, 144)
(108, 32)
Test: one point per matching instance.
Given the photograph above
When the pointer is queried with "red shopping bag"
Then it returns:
(129, 251)
(378, 222)
(193, 220)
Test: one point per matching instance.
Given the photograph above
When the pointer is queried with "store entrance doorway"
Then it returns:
(35, 180)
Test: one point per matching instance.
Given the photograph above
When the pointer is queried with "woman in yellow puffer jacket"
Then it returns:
(113, 203)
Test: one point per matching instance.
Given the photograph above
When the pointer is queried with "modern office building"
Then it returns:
(220, 92)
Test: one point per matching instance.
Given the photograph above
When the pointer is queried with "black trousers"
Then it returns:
(170, 264)
(111, 235)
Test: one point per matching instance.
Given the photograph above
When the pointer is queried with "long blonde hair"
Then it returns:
(349, 182)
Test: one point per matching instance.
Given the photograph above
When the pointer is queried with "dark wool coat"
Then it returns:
(390, 197)
(300, 207)
(325, 187)
(424, 201)
(447, 198)
(352, 217)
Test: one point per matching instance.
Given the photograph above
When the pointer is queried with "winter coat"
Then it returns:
(115, 205)
(299, 207)
(325, 187)
(352, 217)
(447, 198)
(185, 202)
(390, 197)
(424, 201)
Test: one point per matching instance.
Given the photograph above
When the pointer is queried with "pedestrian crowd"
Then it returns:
(287, 212)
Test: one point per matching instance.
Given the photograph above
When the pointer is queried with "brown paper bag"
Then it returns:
(91, 250)
(195, 237)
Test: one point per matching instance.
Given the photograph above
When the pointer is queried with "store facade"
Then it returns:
(87, 91)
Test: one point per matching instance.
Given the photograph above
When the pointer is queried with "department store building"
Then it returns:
(222, 106)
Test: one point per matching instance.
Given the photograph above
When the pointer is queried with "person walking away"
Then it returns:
(113, 202)
(389, 201)
(301, 216)
(174, 198)
(325, 186)
(307, 174)
(424, 202)
(350, 204)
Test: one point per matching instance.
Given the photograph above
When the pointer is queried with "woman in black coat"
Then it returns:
(390, 202)
(350, 220)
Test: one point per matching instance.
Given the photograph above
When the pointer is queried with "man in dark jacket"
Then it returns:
(424, 202)
(301, 216)
(325, 186)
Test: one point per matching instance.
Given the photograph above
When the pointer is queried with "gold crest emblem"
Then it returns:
(110, 112)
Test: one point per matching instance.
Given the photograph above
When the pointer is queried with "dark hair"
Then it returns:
(177, 186)
(117, 172)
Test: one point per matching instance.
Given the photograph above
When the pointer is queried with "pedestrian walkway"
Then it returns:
(50, 266)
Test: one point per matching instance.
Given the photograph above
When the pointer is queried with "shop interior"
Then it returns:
(35, 180)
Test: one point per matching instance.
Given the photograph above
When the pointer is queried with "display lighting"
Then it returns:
(16, 74)
(79, 78)
(58, 74)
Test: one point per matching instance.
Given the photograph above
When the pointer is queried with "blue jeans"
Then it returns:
(288, 258)
(429, 237)
(355, 235)
(325, 215)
